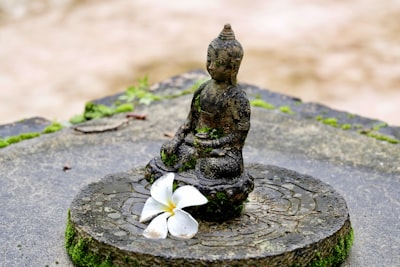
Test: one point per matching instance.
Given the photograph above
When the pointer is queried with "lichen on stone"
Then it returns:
(78, 249)
(261, 103)
(3, 143)
(54, 127)
(286, 109)
(170, 160)
(338, 255)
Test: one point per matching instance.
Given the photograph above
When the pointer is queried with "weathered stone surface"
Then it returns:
(36, 193)
(289, 220)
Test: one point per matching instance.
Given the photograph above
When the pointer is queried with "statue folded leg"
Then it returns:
(222, 164)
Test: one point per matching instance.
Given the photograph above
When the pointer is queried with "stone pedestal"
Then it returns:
(226, 196)
(289, 220)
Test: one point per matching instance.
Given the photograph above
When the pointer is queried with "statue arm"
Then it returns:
(180, 135)
(192, 117)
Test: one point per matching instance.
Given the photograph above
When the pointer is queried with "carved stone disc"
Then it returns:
(289, 220)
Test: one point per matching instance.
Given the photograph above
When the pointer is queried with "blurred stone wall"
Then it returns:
(57, 54)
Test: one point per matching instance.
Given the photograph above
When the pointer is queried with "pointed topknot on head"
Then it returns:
(227, 33)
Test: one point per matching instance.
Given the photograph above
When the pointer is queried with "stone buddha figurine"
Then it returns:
(207, 148)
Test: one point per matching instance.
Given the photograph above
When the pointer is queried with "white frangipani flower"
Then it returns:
(178, 222)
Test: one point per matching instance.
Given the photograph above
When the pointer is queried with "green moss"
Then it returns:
(346, 126)
(197, 103)
(95, 111)
(54, 127)
(212, 132)
(25, 136)
(139, 93)
(261, 104)
(125, 103)
(69, 231)
(77, 119)
(186, 91)
(13, 139)
(286, 109)
(78, 249)
(370, 133)
(382, 137)
(3, 143)
(127, 107)
(169, 160)
(379, 126)
(219, 208)
(188, 165)
(338, 255)
(17, 138)
(330, 121)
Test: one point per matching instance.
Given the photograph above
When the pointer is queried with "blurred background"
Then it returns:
(57, 54)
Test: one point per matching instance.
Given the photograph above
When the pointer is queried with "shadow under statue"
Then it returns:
(206, 150)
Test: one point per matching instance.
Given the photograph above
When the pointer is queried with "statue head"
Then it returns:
(224, 56)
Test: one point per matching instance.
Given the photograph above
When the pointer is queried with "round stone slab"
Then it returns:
(289, 220)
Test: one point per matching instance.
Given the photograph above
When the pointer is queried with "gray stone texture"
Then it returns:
(36, 191)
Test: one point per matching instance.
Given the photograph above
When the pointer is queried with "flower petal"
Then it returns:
(151, 208)
(161, 190)
(157, 229)
(186, 196)
(182, 224)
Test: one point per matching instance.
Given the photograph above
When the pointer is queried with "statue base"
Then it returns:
(289, 220)
(225, 196)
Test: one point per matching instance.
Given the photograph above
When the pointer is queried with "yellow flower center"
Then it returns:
(170, 207)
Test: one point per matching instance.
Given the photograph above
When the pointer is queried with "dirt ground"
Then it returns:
(57, 54)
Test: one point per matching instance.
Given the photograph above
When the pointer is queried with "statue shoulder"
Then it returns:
(201, 87)
(240, 95)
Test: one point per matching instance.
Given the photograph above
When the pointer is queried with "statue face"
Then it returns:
(219, 65)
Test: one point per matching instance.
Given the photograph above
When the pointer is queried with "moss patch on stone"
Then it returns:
(52, 128)
(190, 164)
(346, 126)
(372, 132)
(169, 160)
(328, 121)
(133, 95)
(3, 143)
(382, 137)
(18, 138)
(219, 208)
(213, 133)
(338, 255)
(286, 109)
(258, 102)
(380, 125)
(261, 104)
(78, 249)
(126, 107)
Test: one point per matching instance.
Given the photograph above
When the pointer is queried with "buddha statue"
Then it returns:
(210, 142)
